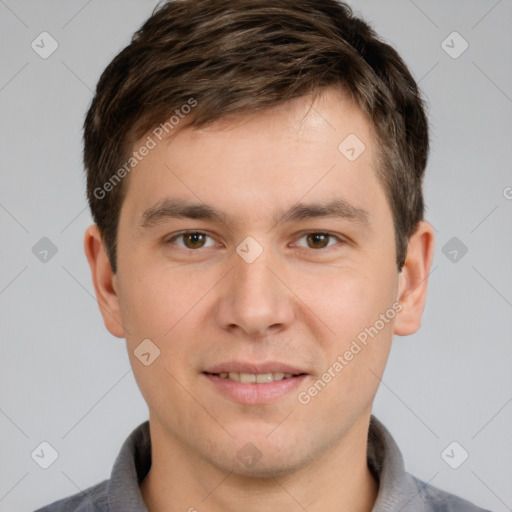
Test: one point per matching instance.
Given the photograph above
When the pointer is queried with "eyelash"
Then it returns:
(184, 233)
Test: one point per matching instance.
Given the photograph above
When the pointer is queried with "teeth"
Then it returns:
(260, 378)
(247, 378)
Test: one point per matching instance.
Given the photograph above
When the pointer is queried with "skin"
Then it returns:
(299, 302)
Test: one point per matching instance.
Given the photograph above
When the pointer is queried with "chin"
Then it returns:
(266, 471)
(261, 474)
(265, 462)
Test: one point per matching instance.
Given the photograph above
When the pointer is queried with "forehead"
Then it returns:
(301, 151)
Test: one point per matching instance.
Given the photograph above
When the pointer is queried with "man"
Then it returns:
(255, 175)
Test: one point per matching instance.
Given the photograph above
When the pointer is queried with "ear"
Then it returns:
(104, 280)
(413, 280)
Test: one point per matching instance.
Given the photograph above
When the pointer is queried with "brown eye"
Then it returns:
(194, 240)
(191, 240)
(318, 240)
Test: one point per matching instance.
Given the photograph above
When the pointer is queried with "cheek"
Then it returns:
(157, 306)
(166, 306)
(359, 308)
(153, 298)
(349, 300)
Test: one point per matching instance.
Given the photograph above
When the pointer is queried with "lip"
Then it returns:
(254, 393)
(269, 367)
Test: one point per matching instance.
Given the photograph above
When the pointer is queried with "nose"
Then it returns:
(254, 297)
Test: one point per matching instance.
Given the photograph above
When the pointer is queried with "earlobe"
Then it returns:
(413, 280)
(104, 280)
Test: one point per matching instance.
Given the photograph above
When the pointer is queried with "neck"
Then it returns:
(337, 480)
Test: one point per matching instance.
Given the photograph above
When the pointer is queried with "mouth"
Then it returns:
(258, 378)
(254, 384)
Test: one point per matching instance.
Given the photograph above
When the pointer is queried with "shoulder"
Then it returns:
(436, 500)
(93, 499)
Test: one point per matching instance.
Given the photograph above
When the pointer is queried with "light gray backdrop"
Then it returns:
(64, 380)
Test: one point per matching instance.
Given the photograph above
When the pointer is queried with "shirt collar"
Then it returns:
(131, 466)
(397, 489)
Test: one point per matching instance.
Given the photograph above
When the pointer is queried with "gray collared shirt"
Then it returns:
(398, 490)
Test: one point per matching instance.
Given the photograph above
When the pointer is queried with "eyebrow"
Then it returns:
(178, 209)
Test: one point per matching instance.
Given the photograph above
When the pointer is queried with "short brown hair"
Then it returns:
(245, 56)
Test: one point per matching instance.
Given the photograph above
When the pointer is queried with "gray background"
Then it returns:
(65, 380)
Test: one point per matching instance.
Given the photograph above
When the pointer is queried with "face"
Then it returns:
(286, 265)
